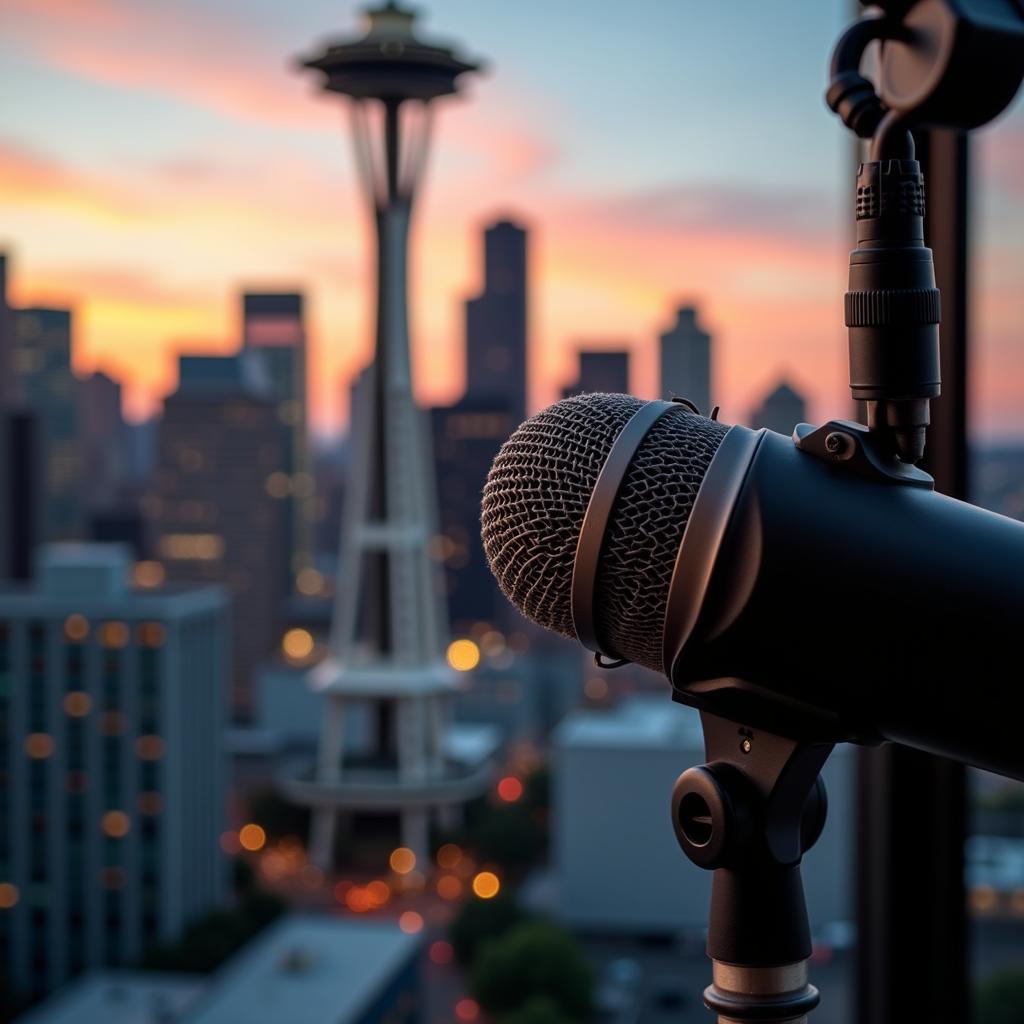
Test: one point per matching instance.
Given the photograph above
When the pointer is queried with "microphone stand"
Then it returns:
(749, 814)
(758, 803)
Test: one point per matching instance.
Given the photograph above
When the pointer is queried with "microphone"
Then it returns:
(819, 601)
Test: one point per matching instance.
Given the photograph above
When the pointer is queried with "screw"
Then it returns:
(746, 746)
(835, 443)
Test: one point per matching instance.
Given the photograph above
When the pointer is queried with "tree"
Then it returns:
(479, 921)
(509, 835)
(534, 960)
(207, 942)
(1000, 998)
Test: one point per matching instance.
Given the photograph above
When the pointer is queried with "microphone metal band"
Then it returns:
(595, 521)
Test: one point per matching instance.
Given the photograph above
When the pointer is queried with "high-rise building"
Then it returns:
(604, 370)
(496, 323)
(104, 440)
(467, 436)
(21, 491)
(273, 324)
(22, 457)
(113, 798)
(222, 490)
(781, 410)
(686, 361)
(8, 390)
(42, 362)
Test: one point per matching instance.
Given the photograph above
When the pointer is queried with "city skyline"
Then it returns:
(151, 236)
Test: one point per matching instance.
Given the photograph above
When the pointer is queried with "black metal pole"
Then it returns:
(912, 807)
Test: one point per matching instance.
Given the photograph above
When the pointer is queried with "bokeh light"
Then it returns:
(115, 824)
(467, 1009)
(229, 842)
(486, 885)
(358, 900)
(441, 952)
(402, 860)
(510, 789)
(252, 837)
(449, 887)
(9, 895)
(595, 688)
(297, 644)
(114, 634)
(148, 574)
(152, 634)
(76, 628)
(410, 922)
(309, 582)
(149, 748)
(463, 655)
(77, 704)
(448, 856)
(378, 892)
(38, 745)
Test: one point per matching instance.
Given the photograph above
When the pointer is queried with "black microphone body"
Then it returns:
(772, 587)
(844, 608)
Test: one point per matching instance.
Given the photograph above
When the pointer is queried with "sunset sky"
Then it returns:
(156, 158)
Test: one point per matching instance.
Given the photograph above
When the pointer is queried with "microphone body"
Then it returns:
(842, 608)
(772, 587)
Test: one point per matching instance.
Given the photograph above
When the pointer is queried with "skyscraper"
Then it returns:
(781, 410)
(42, 362)
(602, 370)
(8, 390)
(21, 491)
(103, 439)
(467, 436)
(113, 800)
(223, 489)
(496, 323)
(273, 324)
(22, 457)
(686, 361)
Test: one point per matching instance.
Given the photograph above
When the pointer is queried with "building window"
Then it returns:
(114, 634)
(77, 704)
(192, 547)
(39, 745)
(115, 824)
(149, 748)
(76, 628)
(151, 634)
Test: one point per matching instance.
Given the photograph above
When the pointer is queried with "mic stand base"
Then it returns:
(749, 814)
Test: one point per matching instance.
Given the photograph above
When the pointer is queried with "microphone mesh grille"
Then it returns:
(536, 497)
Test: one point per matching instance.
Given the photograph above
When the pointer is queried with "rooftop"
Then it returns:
(307, 970)
(651, 722)
(120, 997)
(71, 576)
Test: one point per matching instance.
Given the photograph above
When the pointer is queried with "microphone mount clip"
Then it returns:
(860, 450)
